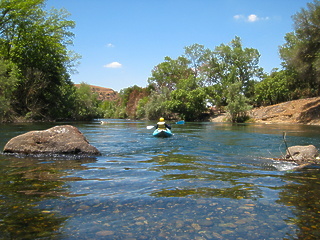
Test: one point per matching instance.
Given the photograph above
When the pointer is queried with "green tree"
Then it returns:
(36, 42)
(141, 108)
(203, 76)
(301, 52)
(274, 88)
(197, 55)
(108, 109)
(8, 80)
(237, 103)
(87, 103)
(233, 68)
(232, 63)
(157, 104)
(168, 73)
(188, 101)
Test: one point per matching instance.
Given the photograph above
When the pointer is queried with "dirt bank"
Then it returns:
(302, 111)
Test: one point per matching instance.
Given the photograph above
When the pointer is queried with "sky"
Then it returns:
(121, 41)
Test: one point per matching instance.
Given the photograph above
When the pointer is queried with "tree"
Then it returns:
(8, 80)
(233, 68)
(141, 108)
(108, 109)
(233, 63)
(301, 52)
(188, 104)
(168, 73)
(274, 88)
(197, 55)
(36, 42)
(157, 105)
(203, 76)
(86, 103)
(237, 103)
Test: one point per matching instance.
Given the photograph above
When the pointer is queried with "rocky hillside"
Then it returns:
(104, 94)
(302, 111)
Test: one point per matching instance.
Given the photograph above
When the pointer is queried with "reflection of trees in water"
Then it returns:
(303, 194)
(199, 178)
(24, 183)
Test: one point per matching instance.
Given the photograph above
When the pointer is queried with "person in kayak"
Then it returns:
(161, 125)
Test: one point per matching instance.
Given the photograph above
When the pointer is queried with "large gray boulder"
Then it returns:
(64, 139)
(302, 153)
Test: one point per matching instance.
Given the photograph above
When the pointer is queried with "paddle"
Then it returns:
(150, 127)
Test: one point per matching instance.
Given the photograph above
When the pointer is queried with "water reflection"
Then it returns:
(206, 182)
(24, 184)
(301, 194)
(196, 177)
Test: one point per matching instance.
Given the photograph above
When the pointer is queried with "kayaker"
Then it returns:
(162, 124)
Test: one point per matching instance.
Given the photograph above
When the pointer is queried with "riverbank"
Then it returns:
(302, 111)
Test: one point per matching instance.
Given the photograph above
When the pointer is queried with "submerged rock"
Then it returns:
(64, 139)
(302, 153)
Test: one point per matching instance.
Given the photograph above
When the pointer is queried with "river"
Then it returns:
(208, 181)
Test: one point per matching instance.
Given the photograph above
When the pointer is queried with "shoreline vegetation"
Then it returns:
(36, 63)
(301, 111)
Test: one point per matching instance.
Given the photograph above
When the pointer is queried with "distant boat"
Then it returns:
(103, 122)
(181, 122)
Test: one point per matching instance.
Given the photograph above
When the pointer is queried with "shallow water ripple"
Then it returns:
(208, 181)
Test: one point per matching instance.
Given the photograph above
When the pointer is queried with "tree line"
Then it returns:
(35, 67)
(229, 76)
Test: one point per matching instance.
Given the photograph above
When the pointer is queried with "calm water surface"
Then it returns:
(208, 181)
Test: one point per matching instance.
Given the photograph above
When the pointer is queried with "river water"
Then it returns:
(208, 181)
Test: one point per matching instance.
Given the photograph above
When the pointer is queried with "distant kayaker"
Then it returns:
(162, 124)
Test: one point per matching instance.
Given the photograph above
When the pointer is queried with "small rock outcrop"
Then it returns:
(302, 153)
(65, 139)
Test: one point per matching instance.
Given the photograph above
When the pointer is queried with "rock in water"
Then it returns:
(64, 139)
(302, 153)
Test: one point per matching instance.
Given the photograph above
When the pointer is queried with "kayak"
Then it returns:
(181, 122)
(162, 133)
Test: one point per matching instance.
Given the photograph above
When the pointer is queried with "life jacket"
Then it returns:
(161, 125)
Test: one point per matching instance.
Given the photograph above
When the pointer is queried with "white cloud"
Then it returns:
(110, 45)
(238, 17)
(251, 18)
(113, 65)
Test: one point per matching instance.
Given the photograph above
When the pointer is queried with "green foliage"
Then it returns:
(273, 89)
(188, 100)
(157, 105)
(36, 42)
(35, 65)
(188, 104)
(86, 103)
(301, 52)
(232, 63)
(168, 73)
(141, 108)
(8, 79)
(203, 76)
(108, 109)
(230, 74)
(197, 55)
(237, 103)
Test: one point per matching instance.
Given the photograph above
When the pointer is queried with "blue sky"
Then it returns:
(121, 41)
